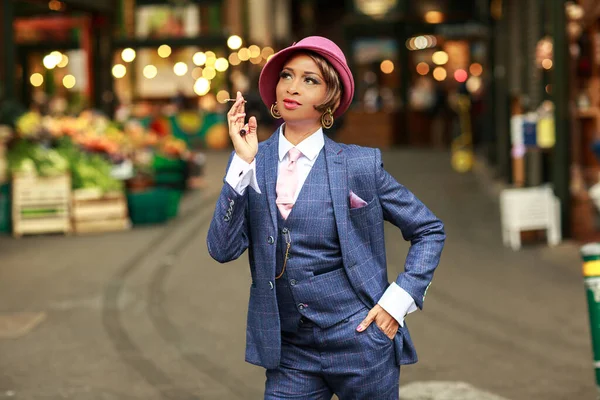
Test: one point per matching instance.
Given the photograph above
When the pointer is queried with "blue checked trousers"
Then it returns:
(317, 363)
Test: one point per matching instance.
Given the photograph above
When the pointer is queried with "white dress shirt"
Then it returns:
(395, 300)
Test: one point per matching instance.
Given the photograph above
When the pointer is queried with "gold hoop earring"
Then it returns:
(327, 119)
(274, 111)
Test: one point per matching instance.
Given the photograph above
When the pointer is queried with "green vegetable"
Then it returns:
(29, 157)
(88, 170)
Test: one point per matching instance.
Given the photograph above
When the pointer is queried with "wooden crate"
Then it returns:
(94, 211)
(41, 205)
(3, 164)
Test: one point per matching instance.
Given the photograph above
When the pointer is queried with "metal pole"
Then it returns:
(7, 50)
(591, 275)
(500, 82)
(560, 92)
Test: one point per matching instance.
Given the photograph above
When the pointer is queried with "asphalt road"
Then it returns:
(147, 314)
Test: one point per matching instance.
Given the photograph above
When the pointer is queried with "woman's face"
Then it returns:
(301, 87)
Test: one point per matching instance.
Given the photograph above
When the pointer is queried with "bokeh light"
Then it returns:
(434, 17)
(244, 54)
(266, 52)
(234, 42)
(473, 84)
(221, 64)
(439, 74)
(128, 55)
(197, 73)
(150, 71)
(421, 42)
(209, 73)
(69, 81)
(234, 59)
(547, 63)
(422, 68)
(36, 79)
(199, 58)
(222, 96)
(476, 69)
(51, 60)
(202, 86)
(211, 57)
(180, 68)
(387, 66)
(460, 75)
(164, 51)
(439, 57)
(119, 71)
(254, 51)
(64, 61)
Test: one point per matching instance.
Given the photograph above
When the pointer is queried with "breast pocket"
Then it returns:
(371, 208)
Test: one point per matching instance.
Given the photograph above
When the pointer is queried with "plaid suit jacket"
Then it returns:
(249, 222)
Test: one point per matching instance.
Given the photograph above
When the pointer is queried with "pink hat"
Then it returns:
(269, 76)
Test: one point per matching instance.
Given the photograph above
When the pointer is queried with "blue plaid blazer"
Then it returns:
(249, 222)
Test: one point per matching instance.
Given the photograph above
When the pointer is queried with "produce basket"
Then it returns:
(148, 207)
(41, 204)
(173, 200)
(153, 206)
(171, 173)
(5, 220)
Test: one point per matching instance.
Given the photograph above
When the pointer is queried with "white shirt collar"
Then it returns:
(310, 147)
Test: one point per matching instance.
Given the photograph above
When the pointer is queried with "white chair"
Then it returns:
(527, 209)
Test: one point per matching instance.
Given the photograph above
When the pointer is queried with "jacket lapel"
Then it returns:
(338, 185)
(270, 166)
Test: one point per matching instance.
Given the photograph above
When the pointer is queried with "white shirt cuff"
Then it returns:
(240, 175)
(397, 302)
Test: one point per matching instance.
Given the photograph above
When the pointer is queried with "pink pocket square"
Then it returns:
(355, 201)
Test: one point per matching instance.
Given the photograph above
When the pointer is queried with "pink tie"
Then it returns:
(287, 183)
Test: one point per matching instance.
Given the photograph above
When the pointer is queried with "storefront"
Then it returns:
(583, 34)
(411, 60)
(546, 104)
(109, 115)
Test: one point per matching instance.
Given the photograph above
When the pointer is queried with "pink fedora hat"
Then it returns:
(269, 76)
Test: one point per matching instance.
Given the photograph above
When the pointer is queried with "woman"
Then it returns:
(322, 316)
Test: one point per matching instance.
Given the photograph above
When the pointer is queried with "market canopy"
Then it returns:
(31, 8)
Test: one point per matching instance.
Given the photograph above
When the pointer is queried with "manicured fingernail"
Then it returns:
(360, 328)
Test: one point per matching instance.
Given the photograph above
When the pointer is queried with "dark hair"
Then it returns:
(332, 81)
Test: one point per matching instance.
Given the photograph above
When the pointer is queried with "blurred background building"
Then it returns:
(512, 83)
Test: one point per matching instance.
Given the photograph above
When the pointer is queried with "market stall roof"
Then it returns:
(42, 7)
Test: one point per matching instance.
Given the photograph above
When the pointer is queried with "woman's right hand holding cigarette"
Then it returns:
(243, 135)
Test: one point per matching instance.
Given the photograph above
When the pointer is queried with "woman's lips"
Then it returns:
(291, 104)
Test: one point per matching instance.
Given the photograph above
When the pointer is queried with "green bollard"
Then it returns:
(591, 275)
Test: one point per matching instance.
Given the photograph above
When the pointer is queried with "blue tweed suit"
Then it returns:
(251, 222)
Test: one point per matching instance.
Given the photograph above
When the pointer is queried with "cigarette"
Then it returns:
(234, 100)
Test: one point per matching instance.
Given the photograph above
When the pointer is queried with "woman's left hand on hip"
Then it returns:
(382, 319)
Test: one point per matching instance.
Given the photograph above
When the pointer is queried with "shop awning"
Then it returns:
(39, 8)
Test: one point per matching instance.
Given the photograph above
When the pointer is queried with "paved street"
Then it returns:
(147, 314)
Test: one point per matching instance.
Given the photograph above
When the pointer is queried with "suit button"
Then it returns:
(270, 240)
(302, 306)
(284, 230)
(293, 282)
(231, 203)
(271, 285)
(227, 218)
